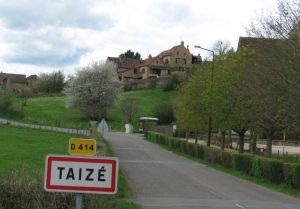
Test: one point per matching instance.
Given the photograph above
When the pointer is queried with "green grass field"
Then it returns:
(50, 111)
(148, 99)
(22, 157)
(26, 149)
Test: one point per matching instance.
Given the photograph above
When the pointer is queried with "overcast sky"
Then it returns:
(45, 35)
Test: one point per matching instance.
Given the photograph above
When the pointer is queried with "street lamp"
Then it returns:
(212, 80)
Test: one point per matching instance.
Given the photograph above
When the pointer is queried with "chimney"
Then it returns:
(150, 56)
(187, 46)
(182, 43)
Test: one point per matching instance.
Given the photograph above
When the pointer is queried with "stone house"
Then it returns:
(9, 80)
(167, 62)
(126, 68)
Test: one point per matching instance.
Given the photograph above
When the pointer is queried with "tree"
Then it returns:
(192, 105)
(222, 49)
(131, 54)
(164, 113)
(130, 106)
(5, 102)
(51, 82)
(92, 90)
(277, 69)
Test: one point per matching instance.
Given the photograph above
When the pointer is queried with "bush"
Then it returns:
(51, 83)
(212, 155)
(16, 193)
(5, 101)
(256, 167)
(295, 175)
(164, 113)
(200, 152)
(242, 162)
(192, 149)
(173, 83)
(269, 169)
(226, 159)
(272, 170)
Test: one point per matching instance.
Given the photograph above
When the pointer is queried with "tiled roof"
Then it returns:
(146, 62)
(167, 52)
(32, 77)
(126, 63)
(14, 78)
(259, 43)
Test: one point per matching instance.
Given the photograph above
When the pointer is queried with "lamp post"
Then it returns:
(212, 80)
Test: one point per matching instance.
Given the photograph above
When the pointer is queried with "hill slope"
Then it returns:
(148, 99)
(53, 111)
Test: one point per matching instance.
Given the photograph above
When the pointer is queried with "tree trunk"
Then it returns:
(269, 146)
(187, 135)
(241, 147)
(229, 138)
(223, 135)
(254, 143)
(209, 131)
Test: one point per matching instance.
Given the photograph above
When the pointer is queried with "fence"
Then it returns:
(48, 128)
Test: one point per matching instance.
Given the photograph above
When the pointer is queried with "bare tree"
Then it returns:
(130, 106)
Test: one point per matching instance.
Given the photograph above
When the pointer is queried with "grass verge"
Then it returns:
(22, 159)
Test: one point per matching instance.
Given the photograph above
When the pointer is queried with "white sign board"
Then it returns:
(81, 174)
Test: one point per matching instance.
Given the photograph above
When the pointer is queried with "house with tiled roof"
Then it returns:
(167, 62)
(8, 80)
(178, 58)
(126, 68)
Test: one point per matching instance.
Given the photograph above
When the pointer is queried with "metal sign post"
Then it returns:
(78, 201)
(81, 172)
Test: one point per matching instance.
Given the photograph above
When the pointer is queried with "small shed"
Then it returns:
(145, 122)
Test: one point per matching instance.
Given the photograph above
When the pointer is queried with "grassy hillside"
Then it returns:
(53, 111)
(148, 99)
(50, 111)
(26, 149)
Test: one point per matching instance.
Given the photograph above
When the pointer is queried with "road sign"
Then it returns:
(82, 147)
(81, 174)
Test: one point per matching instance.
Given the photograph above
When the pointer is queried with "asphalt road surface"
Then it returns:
(163, 180)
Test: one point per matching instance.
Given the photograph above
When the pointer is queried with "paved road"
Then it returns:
(162, 180)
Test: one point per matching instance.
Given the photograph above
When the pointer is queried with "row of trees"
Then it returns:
(253, 89)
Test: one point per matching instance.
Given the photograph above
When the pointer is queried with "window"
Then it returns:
(135, 71)
(183, 61)
(177, 60)
(166, 61)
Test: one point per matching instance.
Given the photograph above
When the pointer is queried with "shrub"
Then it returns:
(200, 152)
(256, 167)
(212, 155)
(5, 101)
(192, 149)
(164, 113)
(226, 159)
(16, 193)
(173, 83)
(295, 174)
(183, 147)
(272, 170)
(242, 162)
(288, 174)
(51, 83)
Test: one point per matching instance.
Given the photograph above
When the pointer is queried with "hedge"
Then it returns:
(269, 169)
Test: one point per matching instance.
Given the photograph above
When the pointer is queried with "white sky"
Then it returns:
(45, 35)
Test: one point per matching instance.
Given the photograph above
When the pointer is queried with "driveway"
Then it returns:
(163, 180)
